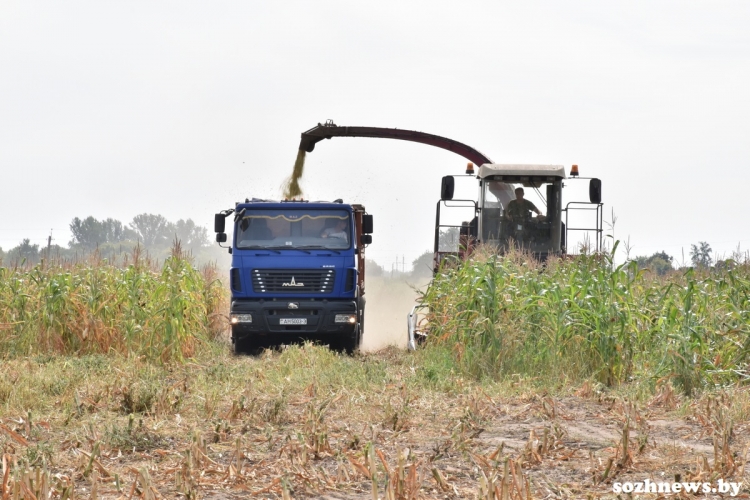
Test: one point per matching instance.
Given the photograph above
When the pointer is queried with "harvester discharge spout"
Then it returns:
(329, 129)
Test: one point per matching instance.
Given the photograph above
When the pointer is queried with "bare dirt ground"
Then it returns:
(306, 423)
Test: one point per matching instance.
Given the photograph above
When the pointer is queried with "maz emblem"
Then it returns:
(292, 283)
(293, 305)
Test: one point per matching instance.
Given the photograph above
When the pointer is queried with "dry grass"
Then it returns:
(308, 423)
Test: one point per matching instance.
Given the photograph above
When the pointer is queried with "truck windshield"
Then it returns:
(295, 228)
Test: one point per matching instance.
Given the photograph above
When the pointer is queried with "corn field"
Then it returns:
(588, 317)
(98, 306)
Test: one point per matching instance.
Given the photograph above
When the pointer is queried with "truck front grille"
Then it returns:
(293, 280)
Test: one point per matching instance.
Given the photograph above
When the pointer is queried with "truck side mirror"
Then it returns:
(365, 239)
(595, 190)
(367, 224)
(221, 237)
(447, 187)
(219, 223)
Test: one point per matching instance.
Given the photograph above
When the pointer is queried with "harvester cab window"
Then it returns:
(312, 229)
(502, 227)
(495, 199)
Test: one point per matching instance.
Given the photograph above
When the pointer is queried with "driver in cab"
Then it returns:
(337, 230)
(519, 208)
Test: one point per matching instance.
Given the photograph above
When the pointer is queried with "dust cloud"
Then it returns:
(389, 301)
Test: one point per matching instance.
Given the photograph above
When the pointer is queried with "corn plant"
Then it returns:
(588, 317)
(96, 306)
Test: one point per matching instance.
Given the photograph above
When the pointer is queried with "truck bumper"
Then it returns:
(291, 318)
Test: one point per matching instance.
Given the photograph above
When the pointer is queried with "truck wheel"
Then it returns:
(351, 343)
(361, 302)
(247, 345)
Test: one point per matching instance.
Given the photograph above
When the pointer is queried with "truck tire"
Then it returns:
(350, 343)
(247, 345)
(361, 303)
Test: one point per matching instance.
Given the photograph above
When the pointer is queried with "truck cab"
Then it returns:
(297, 272)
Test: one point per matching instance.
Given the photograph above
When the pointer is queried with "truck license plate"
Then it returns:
(293, 321)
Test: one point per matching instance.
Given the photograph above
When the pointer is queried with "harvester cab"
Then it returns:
(505, 217)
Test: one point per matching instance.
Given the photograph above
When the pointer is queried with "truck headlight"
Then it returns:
(345, 318)
(241, 318)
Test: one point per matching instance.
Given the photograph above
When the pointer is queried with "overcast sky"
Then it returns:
(113, 109)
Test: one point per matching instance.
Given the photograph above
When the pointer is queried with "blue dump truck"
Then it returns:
(298, 272)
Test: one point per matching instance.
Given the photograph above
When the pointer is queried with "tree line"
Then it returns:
(700, 257)
(154, 233)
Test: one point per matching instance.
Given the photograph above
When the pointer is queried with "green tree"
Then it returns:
(660, 263)
(87, 232)
(373, 269)
(190, 234)
(152, 230)
(24, 252)
(448, 239)
(90, 232)
(422, 266)
(700, 254)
